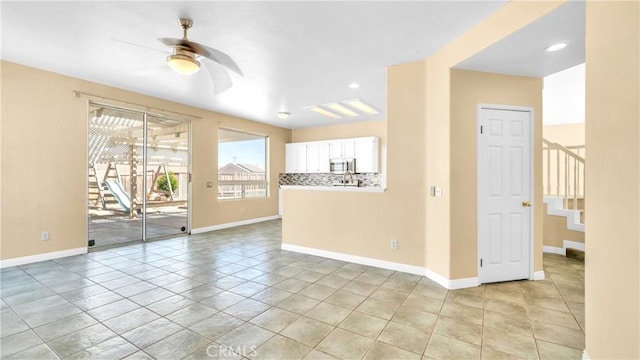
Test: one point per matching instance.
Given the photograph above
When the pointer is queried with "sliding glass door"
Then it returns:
(167, 180)
(138, 176)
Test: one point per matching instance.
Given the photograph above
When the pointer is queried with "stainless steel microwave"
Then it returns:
(342, 166)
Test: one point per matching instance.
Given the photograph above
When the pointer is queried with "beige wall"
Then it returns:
(441, 218)
(44, 155)
(363, 224)
(468, 89)
(555, 231)
(612, 282)
(565, 134)
(342, 131)
(1, 167)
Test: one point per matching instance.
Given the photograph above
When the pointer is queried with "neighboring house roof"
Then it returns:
(251, 168)
(232, 168)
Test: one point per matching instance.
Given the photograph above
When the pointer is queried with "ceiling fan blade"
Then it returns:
(220, 79)
(173, 41)
(140, 46)
(214, 55)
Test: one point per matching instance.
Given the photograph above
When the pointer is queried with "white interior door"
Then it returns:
(504, 194)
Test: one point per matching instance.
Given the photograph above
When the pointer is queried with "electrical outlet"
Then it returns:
(44, 236)
(394, 244)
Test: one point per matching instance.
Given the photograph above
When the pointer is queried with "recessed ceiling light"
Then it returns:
(341, 109)
(354, 85)
(362, 106)
(283, 115)
(321, 111)
(556, 47)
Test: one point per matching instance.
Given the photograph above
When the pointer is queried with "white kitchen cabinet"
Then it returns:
(344, 148)
(296, 158)
(318, 157)
(366, 154)
(313, 157)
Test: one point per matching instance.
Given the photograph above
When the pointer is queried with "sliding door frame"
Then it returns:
(145, 184)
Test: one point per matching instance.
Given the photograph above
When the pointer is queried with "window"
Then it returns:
(242, 164)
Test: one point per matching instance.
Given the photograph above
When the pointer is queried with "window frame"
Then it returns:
(243, 182)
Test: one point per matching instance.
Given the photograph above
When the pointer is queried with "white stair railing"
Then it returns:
(564, 172)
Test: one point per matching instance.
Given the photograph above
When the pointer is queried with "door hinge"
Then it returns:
(480, 262)
(481, 129)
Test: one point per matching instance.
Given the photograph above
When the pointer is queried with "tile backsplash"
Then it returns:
(327, 179)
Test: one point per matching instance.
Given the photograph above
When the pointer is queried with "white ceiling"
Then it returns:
(293, 54)
(523, 52)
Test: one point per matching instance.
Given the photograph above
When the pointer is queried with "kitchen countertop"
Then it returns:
(335, 188)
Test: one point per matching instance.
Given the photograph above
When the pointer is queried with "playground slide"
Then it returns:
(115, 187)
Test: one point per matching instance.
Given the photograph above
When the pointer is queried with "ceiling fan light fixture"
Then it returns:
(183, 64)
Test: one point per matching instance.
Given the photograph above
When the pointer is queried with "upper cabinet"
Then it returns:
(296, 158)
(366, 154)
(318, 157)
(344, 148)
(313, 157)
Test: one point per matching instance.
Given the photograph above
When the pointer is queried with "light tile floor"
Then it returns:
(233, 293)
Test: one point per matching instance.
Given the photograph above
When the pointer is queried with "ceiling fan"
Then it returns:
(187, 57)
(184, 60)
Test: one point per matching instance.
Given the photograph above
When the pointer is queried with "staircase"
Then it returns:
(564, 196)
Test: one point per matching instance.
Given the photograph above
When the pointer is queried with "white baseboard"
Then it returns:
(233, 224)
(538, 275)
(554, 250)
(437, 278)
(41, 257)
(563, 250)
(390, 265)
(573, 245)
(585, 356)
(463, 283)
(416, 270)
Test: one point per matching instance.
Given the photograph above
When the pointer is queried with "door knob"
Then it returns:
(526, 204)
